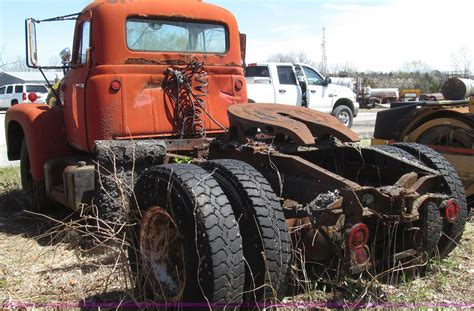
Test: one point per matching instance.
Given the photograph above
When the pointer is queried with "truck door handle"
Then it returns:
(79, 84)
(282, 91)
(313, 91)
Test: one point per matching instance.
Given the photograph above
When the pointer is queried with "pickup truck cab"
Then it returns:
(300, 85)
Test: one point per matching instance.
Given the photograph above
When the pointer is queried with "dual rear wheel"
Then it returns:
(214, 234)
(438, 235)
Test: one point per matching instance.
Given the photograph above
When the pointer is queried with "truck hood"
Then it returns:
(343, 91)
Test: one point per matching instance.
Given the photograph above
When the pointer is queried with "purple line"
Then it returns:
(308, 304)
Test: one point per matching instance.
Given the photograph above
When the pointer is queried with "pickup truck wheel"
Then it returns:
(452, 231)
(265, 237)
(344, 114)
(36, 191)
(14, 102)
(185, 244)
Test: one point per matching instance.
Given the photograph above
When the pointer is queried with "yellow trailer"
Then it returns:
(446, 126)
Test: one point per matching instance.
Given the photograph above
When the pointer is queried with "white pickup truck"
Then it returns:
(300, 85)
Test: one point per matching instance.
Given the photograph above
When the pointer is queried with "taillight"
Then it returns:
(23, 96)
(358, 236)
(115, 85)
(451, 209)
(32, 97)
(238, 85)
(361, 255)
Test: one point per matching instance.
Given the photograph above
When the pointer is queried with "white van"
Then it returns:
(12, 94)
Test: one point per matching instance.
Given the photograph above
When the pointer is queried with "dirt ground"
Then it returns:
(46, 263)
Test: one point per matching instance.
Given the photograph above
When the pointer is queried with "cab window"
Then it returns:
(257, 71)
(9, 89)
(84, 43)
(313, 77)
(286, 75)
(2, 90)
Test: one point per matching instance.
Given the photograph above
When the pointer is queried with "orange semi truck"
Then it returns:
(216, 199)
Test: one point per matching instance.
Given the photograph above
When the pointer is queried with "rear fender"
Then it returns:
(42, 127)
(437, 117)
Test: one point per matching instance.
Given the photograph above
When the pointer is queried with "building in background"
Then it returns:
(29, 77)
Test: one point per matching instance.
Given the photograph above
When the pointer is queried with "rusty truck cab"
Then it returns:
(113, 85)
(120, 56)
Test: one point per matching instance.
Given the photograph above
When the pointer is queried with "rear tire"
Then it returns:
(344, 114)
(452, 232)
(431, 226)
(402, 154)
(265, 237)
(186, 200)
(36, 190)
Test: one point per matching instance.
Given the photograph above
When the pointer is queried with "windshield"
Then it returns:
(174, 36)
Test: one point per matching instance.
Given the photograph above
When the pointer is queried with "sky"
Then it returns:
(368, 35)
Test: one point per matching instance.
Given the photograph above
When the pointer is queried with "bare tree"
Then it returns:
(54, 61)
(462, 60)
(343, 68)
(292, 57)
(18, 65)
(3, 61)
(415, 66)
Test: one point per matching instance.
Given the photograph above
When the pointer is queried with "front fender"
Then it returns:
(43, 129)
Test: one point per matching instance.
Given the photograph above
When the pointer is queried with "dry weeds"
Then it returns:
(42, 261)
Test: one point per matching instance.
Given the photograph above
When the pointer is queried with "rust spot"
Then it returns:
(153, 85)
(144, 61)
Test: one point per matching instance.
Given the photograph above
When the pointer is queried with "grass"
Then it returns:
(447, 280)
(40, 263)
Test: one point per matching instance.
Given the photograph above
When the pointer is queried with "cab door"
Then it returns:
(74, 86)
(287, 90)
(319, 93)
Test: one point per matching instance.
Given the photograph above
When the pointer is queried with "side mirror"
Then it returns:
(31, 46)
(65, 55)
(327, 81)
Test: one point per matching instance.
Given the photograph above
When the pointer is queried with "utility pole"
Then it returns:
(324, 61)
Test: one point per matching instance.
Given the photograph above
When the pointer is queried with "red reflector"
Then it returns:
(358, 236)
(32, 97)
(238, 85)
(23, 96)
(452, 210)
(361, 255)
(115, 85)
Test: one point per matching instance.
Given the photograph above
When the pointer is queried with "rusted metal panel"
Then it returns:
(302, 125)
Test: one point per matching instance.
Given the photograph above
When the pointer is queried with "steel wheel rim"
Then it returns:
(162, 253)
(344, 117)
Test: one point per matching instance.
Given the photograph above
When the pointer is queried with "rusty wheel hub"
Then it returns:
(161, 249)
